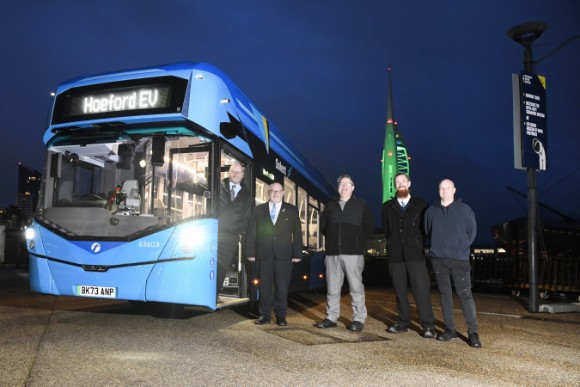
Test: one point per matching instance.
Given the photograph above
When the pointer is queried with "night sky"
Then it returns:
(318, 71)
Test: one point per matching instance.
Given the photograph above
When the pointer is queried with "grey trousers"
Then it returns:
(337, 266)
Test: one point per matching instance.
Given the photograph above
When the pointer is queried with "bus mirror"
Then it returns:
(158, 151)
(72, 159)
(228, 130)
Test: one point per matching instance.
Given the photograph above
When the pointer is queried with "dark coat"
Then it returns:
(347, 231)
(234, 215)
(452, 230)
(280, 241)
(404, 230)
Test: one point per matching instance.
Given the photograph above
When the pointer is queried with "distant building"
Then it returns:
(28, 188)
(377, 245)
(9, 216)
(12, 249)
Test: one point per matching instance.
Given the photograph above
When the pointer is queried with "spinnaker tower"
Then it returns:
(395, 158)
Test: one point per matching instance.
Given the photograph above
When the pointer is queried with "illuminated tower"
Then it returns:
(395, 159)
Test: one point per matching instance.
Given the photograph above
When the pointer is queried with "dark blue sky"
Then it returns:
(318, 70)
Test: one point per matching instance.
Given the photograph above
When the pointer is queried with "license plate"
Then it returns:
(96, 291)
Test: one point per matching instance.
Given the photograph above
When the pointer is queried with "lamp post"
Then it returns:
(525, 34)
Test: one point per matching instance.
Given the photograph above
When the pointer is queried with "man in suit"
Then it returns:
(402, 218)
(274, 240)
(235, 210)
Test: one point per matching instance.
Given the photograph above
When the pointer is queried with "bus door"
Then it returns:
(233, 217)
(188, 194)
(188, 202)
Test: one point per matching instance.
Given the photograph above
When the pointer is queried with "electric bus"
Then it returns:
(113, 220)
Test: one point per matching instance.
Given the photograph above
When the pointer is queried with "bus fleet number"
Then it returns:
(149, 244)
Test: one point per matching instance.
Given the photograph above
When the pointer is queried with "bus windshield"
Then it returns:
(125, 188)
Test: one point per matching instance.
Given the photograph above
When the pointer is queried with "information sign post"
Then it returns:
(530, 124)
(526, 34)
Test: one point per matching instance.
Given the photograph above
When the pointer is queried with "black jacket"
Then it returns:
(452, 230)
(233, 217)
(348, 230)
(280, 241)
(404, 230)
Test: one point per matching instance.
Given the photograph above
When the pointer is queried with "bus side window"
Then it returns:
(302, 213)
(261, 191)
(289, 191)
(313, 222)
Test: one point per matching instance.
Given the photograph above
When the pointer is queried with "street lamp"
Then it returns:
(526, 34)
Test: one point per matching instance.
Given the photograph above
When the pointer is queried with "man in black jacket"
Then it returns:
(451, 226)
(275, 242)
(235, 210)
(402, 219)
(347, 223)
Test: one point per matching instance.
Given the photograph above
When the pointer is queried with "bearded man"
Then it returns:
(402, 219)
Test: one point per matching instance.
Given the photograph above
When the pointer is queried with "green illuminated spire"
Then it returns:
(395, 159)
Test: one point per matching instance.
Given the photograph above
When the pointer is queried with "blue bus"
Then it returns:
(112, 221)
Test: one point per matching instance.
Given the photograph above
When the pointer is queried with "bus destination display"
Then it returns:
(118, 100)
(142, 97)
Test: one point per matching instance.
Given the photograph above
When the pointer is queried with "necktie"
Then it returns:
(273, 212)
(233, 192)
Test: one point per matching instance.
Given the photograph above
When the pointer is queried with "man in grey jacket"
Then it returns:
(451, 227)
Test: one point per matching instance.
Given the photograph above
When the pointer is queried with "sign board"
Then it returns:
(530, 124)
(144, 96)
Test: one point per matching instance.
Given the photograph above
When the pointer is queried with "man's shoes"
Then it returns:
(281, 321)
(356, 326)
(326, 323)
(447, 335)
(397, 329)
(429, 333)
(473, 340)
(262, 320)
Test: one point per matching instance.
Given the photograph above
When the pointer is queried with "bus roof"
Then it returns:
(207, 84)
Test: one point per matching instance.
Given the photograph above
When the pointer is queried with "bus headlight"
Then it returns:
(29, 233)
(192, 238)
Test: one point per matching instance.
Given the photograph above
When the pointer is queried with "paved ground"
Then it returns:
(49, 341)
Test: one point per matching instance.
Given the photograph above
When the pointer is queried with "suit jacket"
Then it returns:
(280, 241)
(404, 230)
(233, 216)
